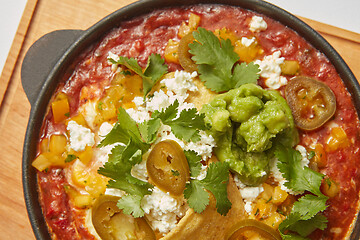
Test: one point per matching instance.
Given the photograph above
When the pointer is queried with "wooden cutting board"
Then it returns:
(39, 18)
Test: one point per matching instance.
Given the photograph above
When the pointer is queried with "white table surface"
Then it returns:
(340, 13)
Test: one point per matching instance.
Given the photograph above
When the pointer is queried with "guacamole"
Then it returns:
(246, 122)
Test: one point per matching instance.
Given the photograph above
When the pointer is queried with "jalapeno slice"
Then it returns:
(238, 230)
(111, 224)
(168, 168)
(312, 102)
(183, 52)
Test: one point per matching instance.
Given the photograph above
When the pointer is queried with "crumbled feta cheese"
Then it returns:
(249, 194)
(271, 70)
(257, 24)
(304, 160)
(138, 115)
(247, 41)
(104, 130)
(248, 207)
(204, 146)
(139, 171)
(80, 136)
(116, 58)
(162, 210)
(181, 83)
(114, 192)
(160, 100)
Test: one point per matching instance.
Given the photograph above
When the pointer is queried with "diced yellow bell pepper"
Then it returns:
(279, 195)
(60, 108)
(79, 119)
(274, 220)
(86, 155)
(41, 162)
(337, 139)
(290, 67)
(57, 144)
(226, 33)
(171, 51)
(83, 201)
(248, 53)
(192, 25)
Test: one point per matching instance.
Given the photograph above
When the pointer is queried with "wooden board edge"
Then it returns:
(16, 46)
(332, 30)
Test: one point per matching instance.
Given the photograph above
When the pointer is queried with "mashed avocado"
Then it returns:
(245, 123)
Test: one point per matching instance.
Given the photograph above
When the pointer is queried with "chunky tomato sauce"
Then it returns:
(149, 34)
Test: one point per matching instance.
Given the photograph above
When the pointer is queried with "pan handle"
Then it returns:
(42, 57)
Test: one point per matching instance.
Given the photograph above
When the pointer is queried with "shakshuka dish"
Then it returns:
(200, 122)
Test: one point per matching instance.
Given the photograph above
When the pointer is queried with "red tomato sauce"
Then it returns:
(148, 34)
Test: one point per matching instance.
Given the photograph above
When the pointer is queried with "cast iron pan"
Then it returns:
(50, 57)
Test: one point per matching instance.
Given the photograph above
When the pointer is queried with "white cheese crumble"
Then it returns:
(139, 171)
(271, 70)
(116, 58)
(247, 41)
(80, 136)
(163, 210)
(249, 194)
(257, 24)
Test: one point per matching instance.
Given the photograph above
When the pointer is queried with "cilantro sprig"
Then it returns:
(185, 126)
(305, 216)
(123, 157)
(217, 60)
(154, 70)
(216, 180)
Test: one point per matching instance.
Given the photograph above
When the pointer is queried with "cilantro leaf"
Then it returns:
(245, 74)
(154, 70)
(217, 60)
(194, 161)
(196, 196)
(305, 215)
(121, 160)
(299, 178)
(318, 204)
(130, 204)
(216, 180)
(186, 126)
(148, 129)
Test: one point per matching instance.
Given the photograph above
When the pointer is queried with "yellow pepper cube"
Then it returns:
(171, 51)
(247, 53)
(79, 119)
(60, 108)
(97, 185)
(86, 156)
(83, 201)
(57, 144)
(41, 162)
(279, 195)
(226, 33)
(337, 139)
(78, 174)
(290, 67)
(193, 23)
(274, 220)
